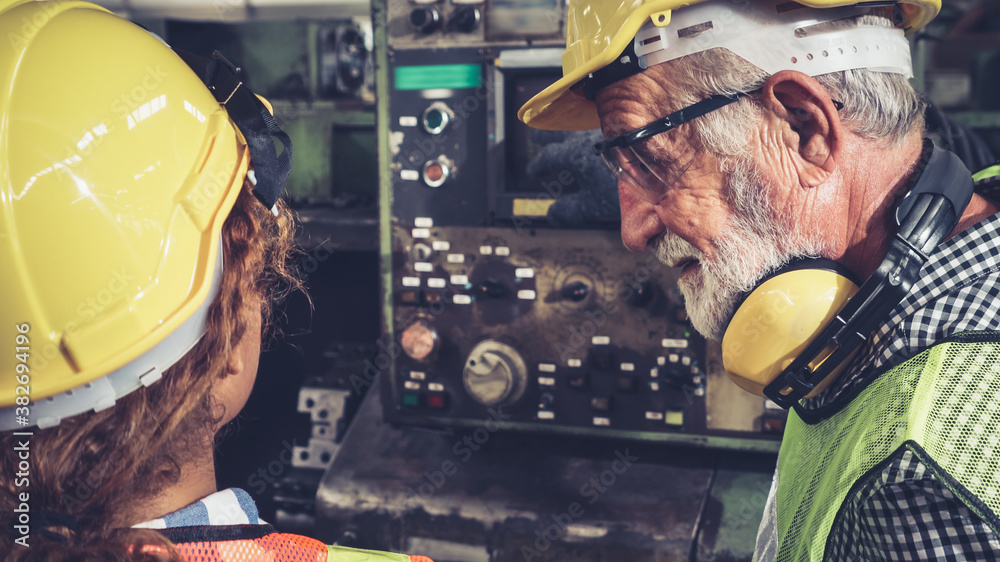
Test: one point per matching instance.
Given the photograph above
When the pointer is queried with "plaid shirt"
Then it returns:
(907, 513)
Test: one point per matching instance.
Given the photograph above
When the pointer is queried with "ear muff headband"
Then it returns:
(926, 215)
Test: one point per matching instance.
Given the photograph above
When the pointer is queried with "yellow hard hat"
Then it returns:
(118, 167)
(599, 31)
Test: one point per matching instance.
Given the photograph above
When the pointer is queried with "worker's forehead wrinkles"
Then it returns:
(624, 115)
(629, 104)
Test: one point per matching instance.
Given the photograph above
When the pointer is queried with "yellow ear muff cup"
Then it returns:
(776, 322)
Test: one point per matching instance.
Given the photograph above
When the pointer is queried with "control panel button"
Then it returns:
(425, 19)
(409, 298)
(411, 399)
(600, 403)
(438, 401)
(546, 400)
(436, 118)
(435, 173)
(674, 417)
(419, 340)
(465, 19)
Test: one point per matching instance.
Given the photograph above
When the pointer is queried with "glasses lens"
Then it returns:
(650, 172)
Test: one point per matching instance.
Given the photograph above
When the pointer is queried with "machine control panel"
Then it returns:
(507, 287)
(535, 324)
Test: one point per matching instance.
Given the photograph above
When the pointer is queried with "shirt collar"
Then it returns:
(945, 301)
(231, 506)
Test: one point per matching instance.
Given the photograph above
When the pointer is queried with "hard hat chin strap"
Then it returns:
(254, 121)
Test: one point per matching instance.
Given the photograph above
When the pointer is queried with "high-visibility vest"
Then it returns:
(943, 406)
(274, 547)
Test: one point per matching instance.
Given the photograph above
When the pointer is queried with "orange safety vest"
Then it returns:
(268, 547)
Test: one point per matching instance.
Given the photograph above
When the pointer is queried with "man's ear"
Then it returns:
(813, 129)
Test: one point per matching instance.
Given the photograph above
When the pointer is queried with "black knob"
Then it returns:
(465, 19)
(421, 252)
(675, 375)
(575, 291)
(641, 295)
(492, 288)
(425, 19)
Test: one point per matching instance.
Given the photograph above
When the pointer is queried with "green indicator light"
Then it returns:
(429, 77)
(687, 334)
(411, 400)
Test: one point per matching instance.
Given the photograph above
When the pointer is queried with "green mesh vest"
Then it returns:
(945, 400)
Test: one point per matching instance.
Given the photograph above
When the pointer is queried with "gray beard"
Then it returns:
(756, 244)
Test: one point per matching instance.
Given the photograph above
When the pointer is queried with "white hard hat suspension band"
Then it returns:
(774, 38)
(803, 39)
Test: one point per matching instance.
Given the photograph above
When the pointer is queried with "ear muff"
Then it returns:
(777, 320)
(797, 361)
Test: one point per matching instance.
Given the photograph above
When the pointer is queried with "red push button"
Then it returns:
(437, 401)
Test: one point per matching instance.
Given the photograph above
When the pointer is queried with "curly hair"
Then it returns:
(96, 467)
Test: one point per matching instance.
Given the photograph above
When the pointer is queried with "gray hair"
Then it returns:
(877, 105)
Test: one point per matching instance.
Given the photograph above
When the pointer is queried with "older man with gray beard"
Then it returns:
(747, 135)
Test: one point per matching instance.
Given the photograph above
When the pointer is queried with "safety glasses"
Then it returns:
(649, 166)
(646, 165)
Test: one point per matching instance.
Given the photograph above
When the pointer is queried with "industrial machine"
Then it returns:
(506, 287)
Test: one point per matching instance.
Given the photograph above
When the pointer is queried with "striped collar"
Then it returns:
(231, 506)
